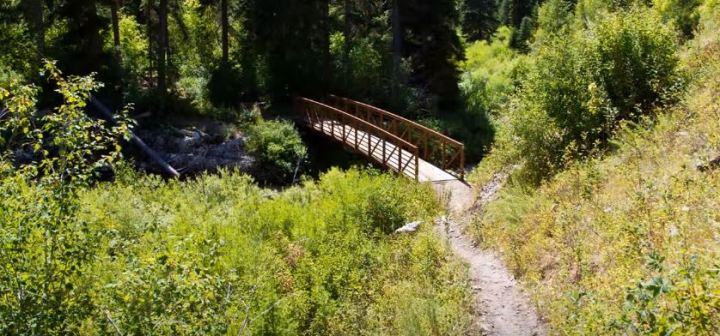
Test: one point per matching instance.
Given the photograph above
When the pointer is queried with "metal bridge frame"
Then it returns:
(391, 140)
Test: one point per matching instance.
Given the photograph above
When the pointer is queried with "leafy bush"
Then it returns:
(277, 144)
(19, 51)
(45, 249)
(66, 146)
(488, 79)
(488, 73)
(579, 89)
(133, 55)
(682, 13)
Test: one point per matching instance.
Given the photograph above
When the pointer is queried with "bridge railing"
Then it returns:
(381, 145)
(434, 147)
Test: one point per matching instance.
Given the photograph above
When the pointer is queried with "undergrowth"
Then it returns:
(218, 255)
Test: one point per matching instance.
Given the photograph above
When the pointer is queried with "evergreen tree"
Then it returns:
(293, 38)
(82, 44)
(512, 12)
(479, 19)
(431, 42)
(521, 36)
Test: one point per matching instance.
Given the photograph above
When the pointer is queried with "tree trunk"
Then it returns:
(324, 32)
(114, 8)
(396, 47)
(163, 51)
(150, 32)
(348, 40)
(225, 31)
(33, 12)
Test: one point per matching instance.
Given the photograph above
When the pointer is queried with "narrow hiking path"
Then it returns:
(501, 307)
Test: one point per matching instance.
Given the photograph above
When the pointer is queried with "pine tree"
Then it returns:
(293, 38)
(430, 39)
(522, 35)
(82, 44)
(33, 13)
(479, 19)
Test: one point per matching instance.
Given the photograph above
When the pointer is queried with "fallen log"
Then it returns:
(137, 141)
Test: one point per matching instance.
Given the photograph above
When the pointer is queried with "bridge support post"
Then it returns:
(400, 166)
(384, 155)
(417, 167)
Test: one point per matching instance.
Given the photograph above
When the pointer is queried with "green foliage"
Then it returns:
(489, 73)
(18, 52)
(44, 246)
(66, 144)
(522, 35)
(292, 40)
(582, 239)
(579, 89)
(431, 42)
(488, 79)
(685, 300)
(366, 71)
(218, 255)
(512, 12)
(479, 19)
(554, 17)
(682, 13)
(133, 55)
(278, 146)
(215, 255)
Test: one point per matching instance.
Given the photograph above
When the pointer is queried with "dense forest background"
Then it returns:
(208, 57)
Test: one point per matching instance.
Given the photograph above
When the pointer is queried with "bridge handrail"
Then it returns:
(424, 136)
(401, 118)
(395, 139)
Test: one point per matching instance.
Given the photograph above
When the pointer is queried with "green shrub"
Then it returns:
(489, 73)
(278, 146)
(218, 255)
(488, 79)
(45, 249)
(682, 13)
(579, 89)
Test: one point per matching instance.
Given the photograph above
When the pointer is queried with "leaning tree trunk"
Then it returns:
(225, 22)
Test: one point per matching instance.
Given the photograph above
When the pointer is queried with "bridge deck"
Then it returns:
(346, 134)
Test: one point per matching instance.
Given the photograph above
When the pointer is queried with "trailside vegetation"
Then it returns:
(609, 211)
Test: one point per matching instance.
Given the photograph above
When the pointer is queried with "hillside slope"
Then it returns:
(627, 243)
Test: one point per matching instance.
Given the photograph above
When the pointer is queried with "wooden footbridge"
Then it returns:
(392, 141)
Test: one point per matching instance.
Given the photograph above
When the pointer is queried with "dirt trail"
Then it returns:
(501, 306)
